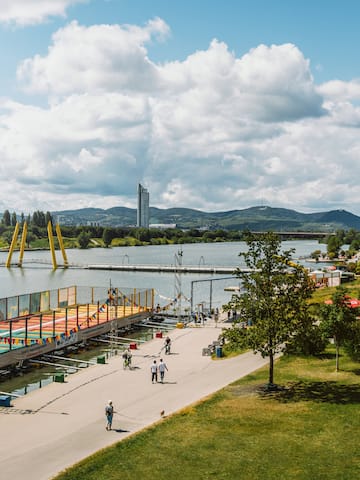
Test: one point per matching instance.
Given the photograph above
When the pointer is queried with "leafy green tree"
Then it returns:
(333, 246)
(30, 237)
(352, 344)
(107, 236)
(308, 339)
(338, 319)
(48, 218)
(13, 219)
(38, 219)
(6, 218)
(237, 339)
(274, 295)
(84, 239)
(142, 234)
(316, 254)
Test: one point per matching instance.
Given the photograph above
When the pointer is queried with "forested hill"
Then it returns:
(261, 218)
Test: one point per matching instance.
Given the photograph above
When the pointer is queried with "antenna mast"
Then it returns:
(178, 293)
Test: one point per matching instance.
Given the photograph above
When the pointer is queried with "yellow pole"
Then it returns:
(133, 299)
(51, 243)
(61, 244)
(23, 243)
(12, 245)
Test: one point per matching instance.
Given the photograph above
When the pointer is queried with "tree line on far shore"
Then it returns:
(85, 236)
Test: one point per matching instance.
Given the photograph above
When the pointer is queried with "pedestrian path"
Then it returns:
(56, 426)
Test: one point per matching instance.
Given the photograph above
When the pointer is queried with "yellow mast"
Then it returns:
(23, 243)
(51, 243)
(12, 245)
(61, 244)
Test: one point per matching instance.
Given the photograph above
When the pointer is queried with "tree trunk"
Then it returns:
(337, 356)
(271, 368)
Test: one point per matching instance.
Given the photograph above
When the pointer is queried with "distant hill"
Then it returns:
(261, 218)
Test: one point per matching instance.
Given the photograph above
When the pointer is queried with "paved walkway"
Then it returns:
(56, 426)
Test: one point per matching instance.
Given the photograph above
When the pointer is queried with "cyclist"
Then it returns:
(127, 358)
(167, 345)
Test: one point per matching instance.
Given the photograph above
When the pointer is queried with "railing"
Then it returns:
(61, 323)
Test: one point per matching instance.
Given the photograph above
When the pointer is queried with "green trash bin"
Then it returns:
(101, 359)
(59, 377)
(218, 351)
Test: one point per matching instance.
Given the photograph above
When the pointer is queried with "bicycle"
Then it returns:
(127, 363)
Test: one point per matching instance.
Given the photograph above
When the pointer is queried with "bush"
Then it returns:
(236, 338)
(308, 342)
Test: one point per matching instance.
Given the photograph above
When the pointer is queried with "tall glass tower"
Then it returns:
(143, 207)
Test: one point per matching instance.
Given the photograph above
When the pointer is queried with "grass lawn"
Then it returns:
(309, 430)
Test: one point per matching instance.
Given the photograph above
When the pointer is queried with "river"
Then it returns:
(205, 288)
(33, 277)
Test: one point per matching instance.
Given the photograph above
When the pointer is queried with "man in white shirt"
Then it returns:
(154, 372)
(162, 368)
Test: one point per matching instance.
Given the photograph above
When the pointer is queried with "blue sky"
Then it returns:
(214, 105)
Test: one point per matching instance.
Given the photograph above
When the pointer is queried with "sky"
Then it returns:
(214, 105)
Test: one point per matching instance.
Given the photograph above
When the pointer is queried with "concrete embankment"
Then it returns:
(164, 268)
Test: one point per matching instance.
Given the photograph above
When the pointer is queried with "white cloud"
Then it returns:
(96, 58)
(340, 91)
(213, 132)
(27, 12)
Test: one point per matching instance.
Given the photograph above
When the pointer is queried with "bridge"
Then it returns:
(300, 235)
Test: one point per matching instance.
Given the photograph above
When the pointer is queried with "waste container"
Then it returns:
(133, 346)
(5, 400)
(158, 334)
(59, 377)
(101, 359)
(218, 351)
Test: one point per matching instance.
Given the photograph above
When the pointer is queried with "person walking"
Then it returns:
(154, 372)
(109, 413)
(162, 368)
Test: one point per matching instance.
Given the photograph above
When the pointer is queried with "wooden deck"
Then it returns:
(32, 335)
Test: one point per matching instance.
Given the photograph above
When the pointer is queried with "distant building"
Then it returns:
(162, 226)
(142, 207)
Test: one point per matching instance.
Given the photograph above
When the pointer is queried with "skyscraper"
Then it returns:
(143, 207)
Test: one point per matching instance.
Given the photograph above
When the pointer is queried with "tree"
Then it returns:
(334, 244)
(48, 218)
(338, 319)
(274, 295)
(107, 236)
(6, 218)
(84, 239)
(13, 219)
